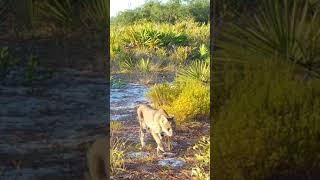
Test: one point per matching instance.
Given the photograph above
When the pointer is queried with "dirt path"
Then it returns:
(148, 167)
(45, 130)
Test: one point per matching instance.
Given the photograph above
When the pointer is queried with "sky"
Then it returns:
(120, 5)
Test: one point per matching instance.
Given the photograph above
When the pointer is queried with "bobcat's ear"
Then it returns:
(163, 119)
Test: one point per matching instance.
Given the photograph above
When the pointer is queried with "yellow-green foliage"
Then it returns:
(269, 127)
(117, 155)
(193, 101)
(202, 154)
(184, 100)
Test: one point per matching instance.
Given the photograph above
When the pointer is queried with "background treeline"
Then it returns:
(266, 90)
(169, 12)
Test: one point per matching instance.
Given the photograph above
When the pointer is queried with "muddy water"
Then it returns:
(123, 101)
(45, 130)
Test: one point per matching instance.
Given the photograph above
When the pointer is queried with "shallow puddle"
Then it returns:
(138, 155)
(172, 162)
(124, 100)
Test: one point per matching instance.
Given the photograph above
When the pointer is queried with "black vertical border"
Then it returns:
(107, 65)
(213, 17)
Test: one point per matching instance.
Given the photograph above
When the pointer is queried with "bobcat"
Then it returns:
(97, 160)
(157, 122)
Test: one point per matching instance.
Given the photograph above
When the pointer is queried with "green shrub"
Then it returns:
(192, 102)
(186, 101)
(269, 127)
(202, 154)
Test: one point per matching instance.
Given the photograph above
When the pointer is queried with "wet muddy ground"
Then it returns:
(144, 163)
(46, 128)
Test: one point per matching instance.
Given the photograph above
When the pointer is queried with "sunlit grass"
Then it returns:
(116, 125)
(117, 163)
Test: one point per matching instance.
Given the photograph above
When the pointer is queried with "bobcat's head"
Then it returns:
(167, 125)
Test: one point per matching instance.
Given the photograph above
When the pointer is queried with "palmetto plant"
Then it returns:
(58, 12)
(152, 35)
(282, 28)
(97, 11)
(144, 36)
(126, 63)
(198, 70)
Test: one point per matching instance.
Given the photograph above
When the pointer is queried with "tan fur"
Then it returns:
(157, 122)
(97, 160)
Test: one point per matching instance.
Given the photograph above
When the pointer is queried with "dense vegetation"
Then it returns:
(150, 46)
(266, 120)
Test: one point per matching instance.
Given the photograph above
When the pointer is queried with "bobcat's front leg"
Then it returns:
(158, 141)
(142, 136)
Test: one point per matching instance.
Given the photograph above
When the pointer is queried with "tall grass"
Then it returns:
(117, 155)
